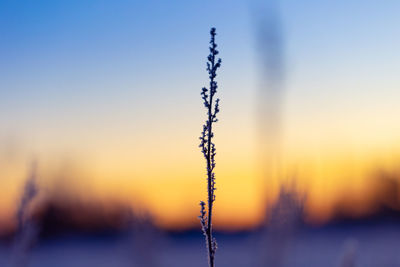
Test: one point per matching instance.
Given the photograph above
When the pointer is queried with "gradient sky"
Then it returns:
(106, 95)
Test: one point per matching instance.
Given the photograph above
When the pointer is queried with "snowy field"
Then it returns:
(364, 246)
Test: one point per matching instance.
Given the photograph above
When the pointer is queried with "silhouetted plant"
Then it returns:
(285, 217)
(208, 147)
(28, 230)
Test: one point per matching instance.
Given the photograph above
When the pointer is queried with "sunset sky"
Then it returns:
(105, 96)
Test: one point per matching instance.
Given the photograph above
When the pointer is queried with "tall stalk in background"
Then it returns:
(28, 229)
(208, 147)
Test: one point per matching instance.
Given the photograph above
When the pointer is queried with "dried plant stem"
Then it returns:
(208, 148)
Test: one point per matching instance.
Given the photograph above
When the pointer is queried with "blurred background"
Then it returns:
(100, 114)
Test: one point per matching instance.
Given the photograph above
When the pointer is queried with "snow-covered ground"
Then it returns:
(367, 246)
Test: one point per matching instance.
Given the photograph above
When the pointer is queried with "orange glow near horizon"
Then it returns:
(171, 192)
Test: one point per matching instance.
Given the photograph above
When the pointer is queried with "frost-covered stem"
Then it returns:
(208, 147)
(209, 170)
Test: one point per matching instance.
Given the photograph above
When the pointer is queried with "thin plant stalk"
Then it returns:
(208, 147)
(28, 229)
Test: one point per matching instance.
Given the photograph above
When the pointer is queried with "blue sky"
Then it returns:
(91, 44)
